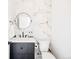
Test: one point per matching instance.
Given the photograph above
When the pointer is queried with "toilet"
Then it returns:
(23, 44)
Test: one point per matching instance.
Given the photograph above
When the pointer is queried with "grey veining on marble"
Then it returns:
(40, 12)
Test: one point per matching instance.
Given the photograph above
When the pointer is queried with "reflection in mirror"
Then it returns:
(23, 20)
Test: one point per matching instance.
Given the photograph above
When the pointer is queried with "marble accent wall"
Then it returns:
(39, 11)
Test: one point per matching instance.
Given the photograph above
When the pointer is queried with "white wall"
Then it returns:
(61, 29)
(39, 11)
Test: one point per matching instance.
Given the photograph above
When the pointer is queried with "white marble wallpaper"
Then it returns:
(39, 11)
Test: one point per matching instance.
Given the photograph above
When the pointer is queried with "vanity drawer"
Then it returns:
(22, 50)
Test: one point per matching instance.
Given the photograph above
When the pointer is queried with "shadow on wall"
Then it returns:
(61, 36)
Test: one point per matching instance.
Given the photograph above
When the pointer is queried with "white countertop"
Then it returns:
(22, 40)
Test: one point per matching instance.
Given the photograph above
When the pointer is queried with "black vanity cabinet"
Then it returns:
(22, 50)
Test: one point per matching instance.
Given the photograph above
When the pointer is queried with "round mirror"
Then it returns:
(23, 20)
